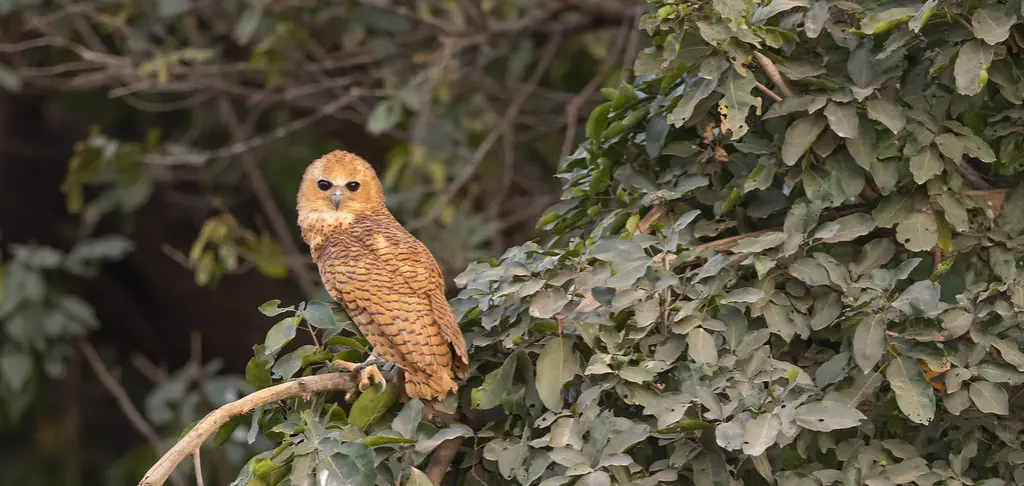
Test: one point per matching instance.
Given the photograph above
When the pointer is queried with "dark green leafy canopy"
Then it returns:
(786, 252)
(787, 258)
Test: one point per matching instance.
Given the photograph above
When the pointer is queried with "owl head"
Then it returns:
(340, 182)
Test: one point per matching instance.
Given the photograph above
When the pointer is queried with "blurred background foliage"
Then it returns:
(149, 156)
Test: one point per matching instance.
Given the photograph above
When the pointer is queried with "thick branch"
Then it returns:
(190, 444)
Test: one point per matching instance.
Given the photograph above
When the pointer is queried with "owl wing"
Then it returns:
(393, 317)
(405, 256)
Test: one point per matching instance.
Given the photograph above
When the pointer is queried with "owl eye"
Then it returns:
(352, 186)
(323, 185)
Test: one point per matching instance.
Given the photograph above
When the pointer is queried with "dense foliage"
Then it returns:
(786, 252)
(198, 118)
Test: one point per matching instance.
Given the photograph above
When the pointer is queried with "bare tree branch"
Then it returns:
(124, 401)
(190, 444)
(572, 109)
(281, 227)
(510, 113)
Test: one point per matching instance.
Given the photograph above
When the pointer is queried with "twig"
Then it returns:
(281, 228)
(155, 374)
(248, 144)
(773, 73)
(656, 212)
(572, 109)
(488, 142)
(198, 468)
(190, 444)
(771, 94)
(121, 396)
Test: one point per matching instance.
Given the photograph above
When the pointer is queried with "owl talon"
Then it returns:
(367, 371)
(370, 375)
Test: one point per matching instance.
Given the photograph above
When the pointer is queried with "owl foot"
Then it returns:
(367, 371)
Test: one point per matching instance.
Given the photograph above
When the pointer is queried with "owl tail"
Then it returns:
(429, 386)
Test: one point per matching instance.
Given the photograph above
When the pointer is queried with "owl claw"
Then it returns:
(367, 371)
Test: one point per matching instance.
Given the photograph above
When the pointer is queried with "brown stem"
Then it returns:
(124, 402)
(190, 444)
(281, 228)
(771, 94)
(773, 73)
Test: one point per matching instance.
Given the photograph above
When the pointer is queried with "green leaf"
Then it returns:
(884, 20)
(793, 104)
(926, 164)
(957, 322)
(710, 469)
(869, 342)
(950, 145)
(779, 322)
(809, 271)
(971, 67)
(976, 147)
(918, 232)
(846, 228)
(319, 315)
(843, 119)
(379, 440)
(775, 7)
(271, 309)
(224, 433)
(280, 334)
(990, 397)
(557, 364)
(827, 307)
(860, 64)
(891, 210)
(15, 367)
(913, 393)
(888, 113)
(862, 147)
(922, 16)
(815, 18)
(1012, 222)
(992, 23)
(372, 404)
(696, 89)
(919, 298)
(737, 100)
(418, 478)
(827, 415)
(547, 303)
(489, 394)
(760, 243)
(286, 366)
(407, 420)
(760, 433)
(351, 465)
(701, 347)
(799, 137)
(385, 116)
(257, 373)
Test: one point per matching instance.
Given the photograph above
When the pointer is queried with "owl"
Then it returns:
(387, 281)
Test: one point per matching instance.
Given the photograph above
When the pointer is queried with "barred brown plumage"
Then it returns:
(387, 280)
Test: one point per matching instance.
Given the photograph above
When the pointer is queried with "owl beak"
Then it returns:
(336, 198)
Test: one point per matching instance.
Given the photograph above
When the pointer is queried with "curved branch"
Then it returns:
(190, 444)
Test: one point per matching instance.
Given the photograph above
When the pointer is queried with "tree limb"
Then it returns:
(124, 401)
(190, 444)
